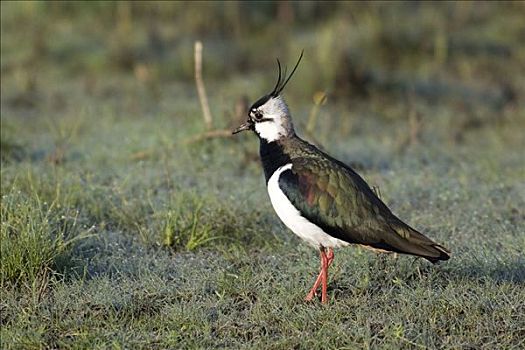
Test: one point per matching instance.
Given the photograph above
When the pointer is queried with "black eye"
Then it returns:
(257, 114)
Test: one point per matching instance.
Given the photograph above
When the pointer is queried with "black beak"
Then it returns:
(244, 126)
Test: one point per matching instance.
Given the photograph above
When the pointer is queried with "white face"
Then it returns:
(272, 119)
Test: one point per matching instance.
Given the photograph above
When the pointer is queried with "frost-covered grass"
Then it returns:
(117, 232)
(181, 248)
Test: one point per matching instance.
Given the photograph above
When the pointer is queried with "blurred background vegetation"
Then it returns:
(469, 54)
(102, 170)
(459, 62)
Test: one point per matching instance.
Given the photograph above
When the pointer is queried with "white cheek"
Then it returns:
(270, 130)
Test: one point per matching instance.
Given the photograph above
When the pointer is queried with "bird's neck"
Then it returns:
(273, 156)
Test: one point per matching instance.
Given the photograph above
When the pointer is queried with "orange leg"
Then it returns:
(322, 278)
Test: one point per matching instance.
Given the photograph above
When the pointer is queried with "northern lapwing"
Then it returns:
(321, 199)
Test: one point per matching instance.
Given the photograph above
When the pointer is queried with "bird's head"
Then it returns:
(269, 117)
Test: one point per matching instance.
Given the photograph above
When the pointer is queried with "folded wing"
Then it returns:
(339, 201)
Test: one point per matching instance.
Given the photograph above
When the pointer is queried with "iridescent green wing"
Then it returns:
(335, 198)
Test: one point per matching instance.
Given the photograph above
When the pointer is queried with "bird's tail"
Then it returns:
(444, 254)
(410, 241)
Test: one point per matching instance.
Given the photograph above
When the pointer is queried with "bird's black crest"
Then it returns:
(260, 101)
(282, 80)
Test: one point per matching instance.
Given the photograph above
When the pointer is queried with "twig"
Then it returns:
(415, 123)
(200, 86)
(209, 135)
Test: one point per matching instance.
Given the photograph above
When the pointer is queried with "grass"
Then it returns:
(117, 233)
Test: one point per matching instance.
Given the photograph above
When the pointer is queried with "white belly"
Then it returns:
(292, 218)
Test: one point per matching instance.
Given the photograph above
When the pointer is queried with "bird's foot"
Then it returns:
(311, 295)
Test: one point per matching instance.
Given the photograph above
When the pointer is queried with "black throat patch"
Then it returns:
(272, 157)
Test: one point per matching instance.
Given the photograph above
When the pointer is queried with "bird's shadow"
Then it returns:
(499, 271)
(383, 274)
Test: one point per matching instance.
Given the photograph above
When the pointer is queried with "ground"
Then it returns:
(120, 229)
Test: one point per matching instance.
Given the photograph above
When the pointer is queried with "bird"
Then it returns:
(321, 199)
